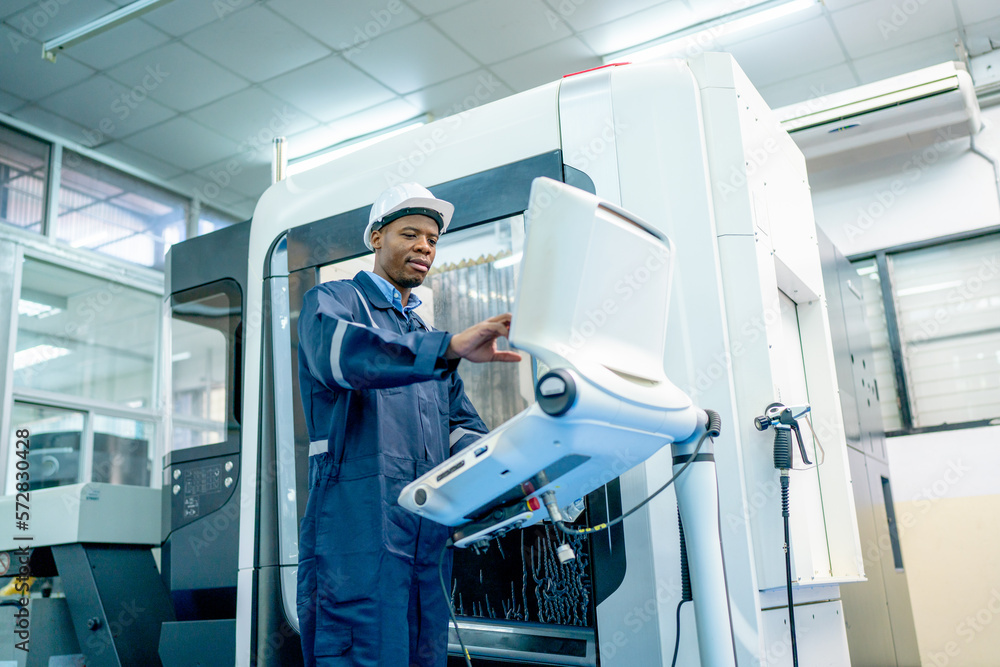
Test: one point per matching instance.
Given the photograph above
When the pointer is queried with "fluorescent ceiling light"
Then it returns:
(97, 26)
(39, 310)
(35, 303)
(339, 150)
(180, 356)
(697, 36)
(37, 355)
(504, 262)
(924, 289)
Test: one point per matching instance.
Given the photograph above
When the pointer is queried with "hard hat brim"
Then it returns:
(445, 209)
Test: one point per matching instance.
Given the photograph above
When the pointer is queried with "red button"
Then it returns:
(533, 503)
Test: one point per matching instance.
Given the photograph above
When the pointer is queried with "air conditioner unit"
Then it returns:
(892, 114)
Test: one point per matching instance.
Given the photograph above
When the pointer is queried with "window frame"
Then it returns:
(881, 258)
(131, 275)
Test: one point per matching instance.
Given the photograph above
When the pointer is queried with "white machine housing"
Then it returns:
(91, 512)
(571, 313)
(691, 148)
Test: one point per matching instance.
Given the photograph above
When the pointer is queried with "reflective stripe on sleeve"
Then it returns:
(458, 434)
(364, 302)
(335, 345)
(318, 447)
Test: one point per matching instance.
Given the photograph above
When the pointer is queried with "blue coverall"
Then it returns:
(383, 406)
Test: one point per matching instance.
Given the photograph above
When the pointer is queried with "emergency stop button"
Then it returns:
(533, 503)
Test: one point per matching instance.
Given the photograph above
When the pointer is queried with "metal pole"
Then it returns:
(279, 160)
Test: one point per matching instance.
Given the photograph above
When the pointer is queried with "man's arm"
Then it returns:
(344, 354)
(466, 425)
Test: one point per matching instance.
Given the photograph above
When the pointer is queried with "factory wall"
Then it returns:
(945, 484)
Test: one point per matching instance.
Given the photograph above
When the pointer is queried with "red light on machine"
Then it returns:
(534, 504)
(596, 68)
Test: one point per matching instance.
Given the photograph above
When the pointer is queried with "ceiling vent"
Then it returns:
(901, 112)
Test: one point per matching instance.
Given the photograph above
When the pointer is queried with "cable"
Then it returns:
(788, 568)
(447, 598)
(677, 640)
(604, 526)
(686, 595)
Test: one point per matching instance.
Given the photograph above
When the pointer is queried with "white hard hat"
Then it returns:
(407, 199)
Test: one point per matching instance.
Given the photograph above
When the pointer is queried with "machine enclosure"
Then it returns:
(691, 148)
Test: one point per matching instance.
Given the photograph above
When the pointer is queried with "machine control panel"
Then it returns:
(200, 487)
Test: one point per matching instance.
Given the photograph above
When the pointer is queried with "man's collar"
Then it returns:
(372, 291)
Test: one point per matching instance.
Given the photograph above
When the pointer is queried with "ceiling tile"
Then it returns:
(977, 11)
(183, 142)
(9, 102)
(834, 5)
(727, 38)
(546, 64)
(24, 73)
(789, 52)
(880, 25)
(459, 94)
(344, 25)
(253, 117)
(809, 89)
(117, 45)
(139, 160)
(50, 122)
(429, 7)
(329, 88)
(179, 17)
(981, 37)
(430, 58)
(585, 15)
(11, 7)
(256, 43)
(106, 108)
(57, 18)
(494, 31)
(639, 28)
(250, 179)
(186, 79)
(370, 120)
(894, 62)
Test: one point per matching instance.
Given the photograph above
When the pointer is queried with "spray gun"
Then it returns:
(784, 419)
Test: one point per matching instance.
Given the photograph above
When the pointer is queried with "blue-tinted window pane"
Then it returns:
(85, 336)
(103, 209)
(24, 163)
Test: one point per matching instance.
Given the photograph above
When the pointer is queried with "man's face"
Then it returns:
(405, 248)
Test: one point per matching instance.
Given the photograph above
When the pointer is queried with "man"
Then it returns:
(384, 404)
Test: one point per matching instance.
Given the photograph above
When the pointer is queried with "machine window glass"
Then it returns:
(122, 451)
(870, 286)
(24, 163)
(106, 210)
(85, 336)
(54, 457)
(204, 340)
(947, 300)
(473, 278)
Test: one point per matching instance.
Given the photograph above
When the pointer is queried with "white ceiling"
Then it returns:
(218, 79)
